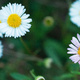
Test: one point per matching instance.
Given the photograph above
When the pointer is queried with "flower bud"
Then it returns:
(39, 78)
(47, 62)
(48, 21)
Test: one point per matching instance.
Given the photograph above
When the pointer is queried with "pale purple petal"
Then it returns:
(75, 58)
(79, 62)
(70, 49)
(73, 47)
(78, 36)
(75, 42)
(72, 52)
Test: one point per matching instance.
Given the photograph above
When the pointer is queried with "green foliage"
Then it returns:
(73, 67)
(51, 48)
(75, 72)
(18, 76)
(43, 42)
(65, 76)
(3, 75)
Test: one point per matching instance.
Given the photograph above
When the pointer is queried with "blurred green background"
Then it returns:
(49, 37)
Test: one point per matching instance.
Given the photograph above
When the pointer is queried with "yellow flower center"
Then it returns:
(79, 50)
(0, 21)
(14, 20)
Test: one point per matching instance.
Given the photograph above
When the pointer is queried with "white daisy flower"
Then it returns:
(15, 22)
(74, 12)
(75, 49)
(39, 78)
(1, 49)
(1, 34)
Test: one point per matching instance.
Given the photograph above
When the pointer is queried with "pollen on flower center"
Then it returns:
(79, 50)
(14, 20)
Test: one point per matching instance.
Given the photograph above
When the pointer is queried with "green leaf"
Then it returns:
(2, 75)
(64, 76)
(18, 76)
(40, 31)
(75, 72)
(72, 66)
(51, 48)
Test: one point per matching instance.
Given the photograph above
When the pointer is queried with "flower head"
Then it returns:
(75, 49)
(74, 12)
(48, 21)
(39, 78)
(15, 22)
(47, 62)
(1, 49)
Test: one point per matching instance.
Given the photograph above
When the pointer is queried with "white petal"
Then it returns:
(75, 58)
(1, 35)
(1, 49)
(24, 16)
(73, 47)
(76, 20)
(74, 12)
(78, 36)
(70, 49)
(79, 62)
(27, 21)
(75, 42)
(18, 8)
(72, 52)
(14, 7)
(10, 7)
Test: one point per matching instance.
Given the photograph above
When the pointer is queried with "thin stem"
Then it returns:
(32, 73)
(25, 45)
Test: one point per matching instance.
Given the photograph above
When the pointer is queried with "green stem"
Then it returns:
(32, 73)
(25, 45)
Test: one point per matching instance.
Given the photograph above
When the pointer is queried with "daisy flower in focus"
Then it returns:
(74, 12)
(75, 49)
(15, 22)
(1, 49)
(39, 78)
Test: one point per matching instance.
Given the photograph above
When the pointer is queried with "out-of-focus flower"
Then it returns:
(75, 49)
(15, 22)
(48, 21)
(1, 34)
(39, 78)
(47, 62)
(74, 12)
(1, 49)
